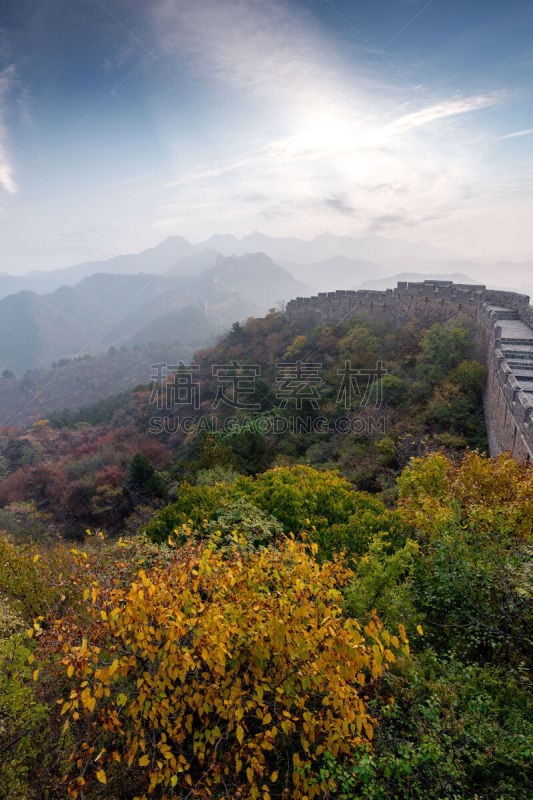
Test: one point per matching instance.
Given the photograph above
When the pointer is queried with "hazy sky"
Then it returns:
(124, 121)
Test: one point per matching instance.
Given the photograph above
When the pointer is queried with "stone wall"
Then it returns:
(508, 404)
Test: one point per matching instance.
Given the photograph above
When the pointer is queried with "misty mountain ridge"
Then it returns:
(326, 263)
(373, 248)
(160, 259)
(143, 297)
(104, 310)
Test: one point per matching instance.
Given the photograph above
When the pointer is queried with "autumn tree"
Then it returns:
(219, 676)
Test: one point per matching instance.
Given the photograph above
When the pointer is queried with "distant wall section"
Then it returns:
(504, 322)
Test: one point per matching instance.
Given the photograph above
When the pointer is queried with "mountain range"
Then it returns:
(106, 309)
(324, 263)
(189, 293)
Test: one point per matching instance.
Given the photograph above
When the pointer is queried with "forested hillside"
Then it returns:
(366, 426)
(270, 584)
(82, 381)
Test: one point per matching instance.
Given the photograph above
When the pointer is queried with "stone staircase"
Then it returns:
(515, 341)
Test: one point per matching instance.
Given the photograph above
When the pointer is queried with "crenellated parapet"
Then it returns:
(505, 326)
(431, 297)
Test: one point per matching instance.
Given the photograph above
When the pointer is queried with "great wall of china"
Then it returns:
(504, 322)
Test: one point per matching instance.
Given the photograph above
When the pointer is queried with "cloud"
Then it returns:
(218, 171)
(385, 221)
(517, 134)
(7, 181)
(339, 204)
(324, 141)
(264, 48)
(444, 110)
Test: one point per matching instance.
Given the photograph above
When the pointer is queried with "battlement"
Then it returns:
(428, 297)
(505, 325)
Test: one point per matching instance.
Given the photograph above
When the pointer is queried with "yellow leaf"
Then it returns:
(368, 729)
(420, 630)
(239, 733)
(250, 775)
(70, 671)
(144, 760)
(274, 776)
(36, 558)
(101, 776)
(35, 674)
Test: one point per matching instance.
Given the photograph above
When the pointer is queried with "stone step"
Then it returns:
(507, 313)
(519, 368)
(517, 355)
(507, 340)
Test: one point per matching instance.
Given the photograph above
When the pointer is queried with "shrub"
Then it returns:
(220, 677)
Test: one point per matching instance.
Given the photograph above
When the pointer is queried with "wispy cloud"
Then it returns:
(264, 48)
(337, 146)
(340, 204)
(444, 110)
(517, 134)
(384, 221)
(214, 172)
(7, 180)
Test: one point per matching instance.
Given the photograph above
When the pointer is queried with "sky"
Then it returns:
(125, 121)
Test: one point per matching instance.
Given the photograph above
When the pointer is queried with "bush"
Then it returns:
(322, 504)
(453, 733)
(228, 677)
(21, 715)
(473, 522)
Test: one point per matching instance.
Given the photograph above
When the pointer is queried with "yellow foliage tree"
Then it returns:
(480, 494)
(222, 677)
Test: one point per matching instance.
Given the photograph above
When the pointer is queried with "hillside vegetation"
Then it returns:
(242, 614)
(245, 656)
(72, 471)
